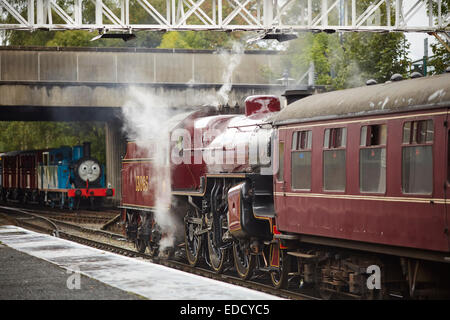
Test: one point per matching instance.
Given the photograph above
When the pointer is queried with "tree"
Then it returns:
(378, 56)
(81, 38)
(19, 135)
(441, 56)
(348, 60)
(199, 39)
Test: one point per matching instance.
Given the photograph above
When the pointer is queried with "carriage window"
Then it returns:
(280, 175)
(418, 132)
(334, 161)
(373, 135)
(372, 159)
(301, 160)
(335, 138)
(417, 157)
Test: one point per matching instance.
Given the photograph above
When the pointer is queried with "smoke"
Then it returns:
(355, 75)
(145, 121)
(231, 60)
(146, 117)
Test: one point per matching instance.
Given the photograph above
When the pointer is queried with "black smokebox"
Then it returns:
(86, 149)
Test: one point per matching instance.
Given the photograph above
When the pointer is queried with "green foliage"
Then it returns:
(347, 60)
(75, 38)
(378, 55)
(19, 135)
(441, 56)
(80, 38)
(199, 39)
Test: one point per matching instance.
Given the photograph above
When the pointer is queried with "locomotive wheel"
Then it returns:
(244, 261)
(192, 241)
(217, 255)
(140, 245)
(153, 248)
(280, 278)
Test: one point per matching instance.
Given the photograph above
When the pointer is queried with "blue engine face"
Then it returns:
(68, 168)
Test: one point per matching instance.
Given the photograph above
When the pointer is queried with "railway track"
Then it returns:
(106, 219)
(113, 242)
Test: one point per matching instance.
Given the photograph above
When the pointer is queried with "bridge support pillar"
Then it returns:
(115, 148)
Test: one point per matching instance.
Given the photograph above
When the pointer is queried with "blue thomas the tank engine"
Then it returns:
(62, 177)
(68, 175)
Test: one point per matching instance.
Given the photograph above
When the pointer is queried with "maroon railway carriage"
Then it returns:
(20, 183)
(28, 175)
(10, 173)
(368, 169)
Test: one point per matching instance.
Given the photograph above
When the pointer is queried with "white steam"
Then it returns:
(146, 117)
(231, 61)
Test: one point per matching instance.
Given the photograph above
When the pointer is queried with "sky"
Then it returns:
(417, 39)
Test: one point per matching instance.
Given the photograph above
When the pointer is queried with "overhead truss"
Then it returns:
(225, 15)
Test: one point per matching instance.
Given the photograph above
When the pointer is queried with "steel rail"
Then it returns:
(55, 226)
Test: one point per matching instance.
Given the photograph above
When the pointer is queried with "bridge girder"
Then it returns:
(282, 16)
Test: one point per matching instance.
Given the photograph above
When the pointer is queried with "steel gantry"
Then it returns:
(224, 15)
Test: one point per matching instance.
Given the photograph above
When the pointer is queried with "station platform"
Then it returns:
(39, 266)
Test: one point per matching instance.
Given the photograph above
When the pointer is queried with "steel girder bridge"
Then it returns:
(262, 16)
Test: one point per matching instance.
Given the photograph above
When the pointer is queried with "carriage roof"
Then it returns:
(412, 94)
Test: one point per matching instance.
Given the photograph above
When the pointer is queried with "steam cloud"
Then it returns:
(145, 121)
(145, 117)
(231, 60)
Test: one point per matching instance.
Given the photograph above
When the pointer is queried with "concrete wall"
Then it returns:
(54, 84)
(101, 95)
(115, 149)
(144, 66)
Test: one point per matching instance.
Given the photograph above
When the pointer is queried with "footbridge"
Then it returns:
(92, 84)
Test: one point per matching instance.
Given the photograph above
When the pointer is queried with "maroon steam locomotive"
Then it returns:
(316, 194)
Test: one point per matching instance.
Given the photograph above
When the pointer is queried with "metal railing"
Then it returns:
(225, 15)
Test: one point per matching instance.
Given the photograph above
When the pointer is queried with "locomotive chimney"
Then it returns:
(226, 109)
(86, 149)
(261, 104)
(236, 108)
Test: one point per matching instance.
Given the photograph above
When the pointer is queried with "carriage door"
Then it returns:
(447, 185)
(279, 176)
(45, 166)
